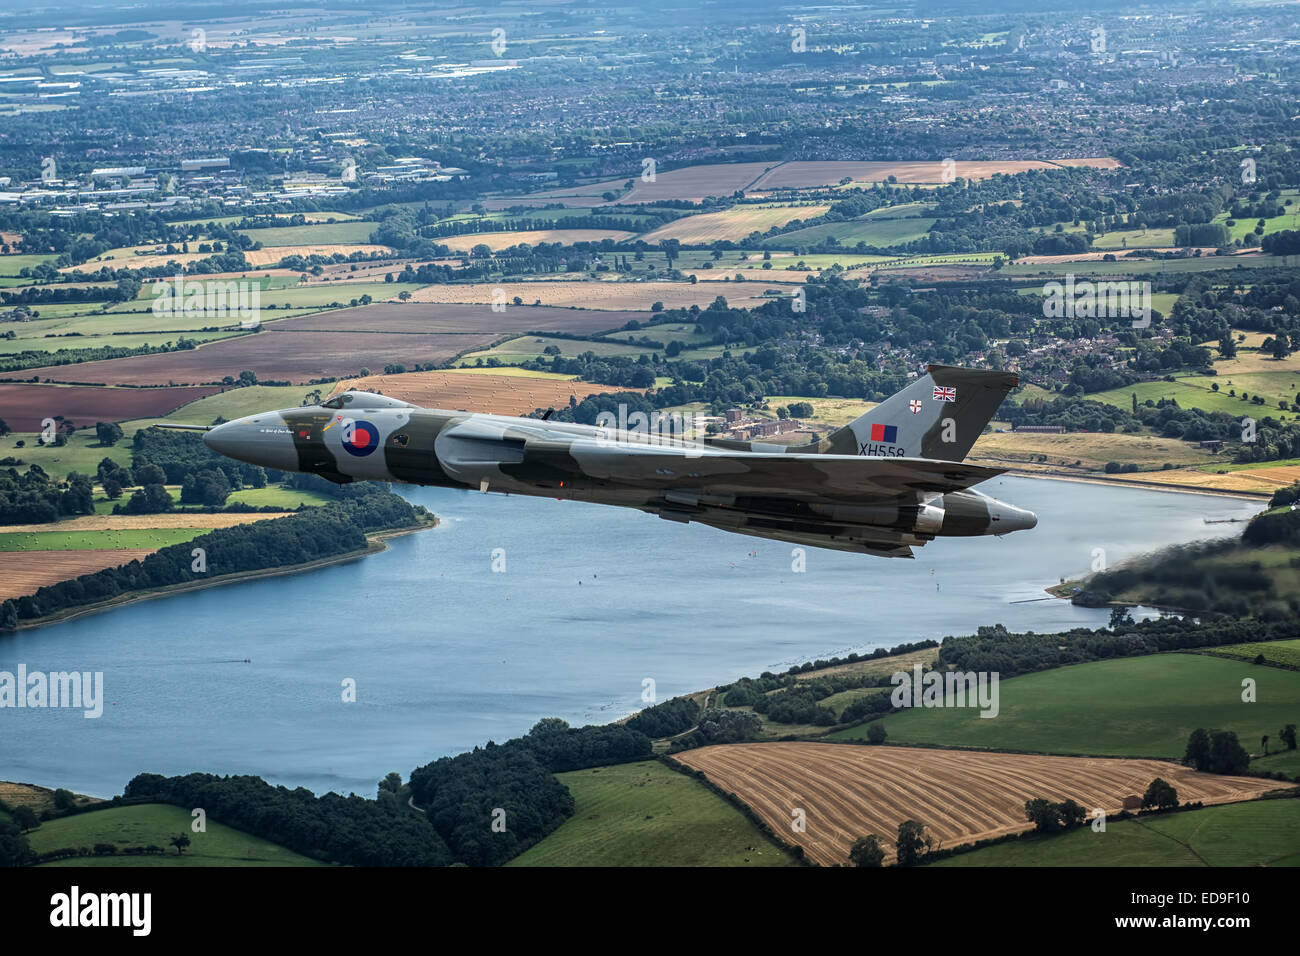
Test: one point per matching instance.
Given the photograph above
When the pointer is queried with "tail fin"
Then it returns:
(939, 416)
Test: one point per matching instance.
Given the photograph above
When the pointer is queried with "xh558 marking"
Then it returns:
(889, 481)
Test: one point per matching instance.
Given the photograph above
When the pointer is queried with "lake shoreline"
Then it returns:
(376, 544)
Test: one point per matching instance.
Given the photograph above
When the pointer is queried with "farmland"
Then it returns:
(257, 258)
(874, 232)
(233, 403)
(453, 319)
(139, 539)
(1090, 450)
(806, 175)
(691, 183)
(504, 240)
(1257, 833)
(1140, 706)
(355, 231)
(24, 572)
(598, 295)
(645, 814)
(496, 394)
(276, 355)
(1286, 653)
(734, 224)
(26, 406)
(155, 824)
(850, 791)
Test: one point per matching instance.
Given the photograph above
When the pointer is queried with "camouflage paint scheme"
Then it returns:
(891, 480)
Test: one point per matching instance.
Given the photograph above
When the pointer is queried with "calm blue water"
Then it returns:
(447, 654)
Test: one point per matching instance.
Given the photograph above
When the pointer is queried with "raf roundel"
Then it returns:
(364, 439)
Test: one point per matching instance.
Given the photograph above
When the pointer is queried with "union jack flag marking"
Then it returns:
(945, 393)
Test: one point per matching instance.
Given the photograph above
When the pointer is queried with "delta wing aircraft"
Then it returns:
(888, 482)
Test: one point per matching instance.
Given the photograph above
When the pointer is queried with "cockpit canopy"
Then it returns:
(354, 400)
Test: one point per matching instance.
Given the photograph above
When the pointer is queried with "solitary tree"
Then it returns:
(1227, 755)
(1072, 814)
(180, 841)
(26, 818)
(1198, 750)
(1043, 814)
(109, 433)
(1161, 795)
(1287, 734)
(867, 851)
(913, 843)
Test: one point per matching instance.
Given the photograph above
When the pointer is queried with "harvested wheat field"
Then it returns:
(474, 392)
(504, 240)
(734, 224)
(24, 572)
(30, 795)
(1260, 481)
(1100, 162)
(806, 175)
(271, 255)
(850, 791)
(629, 296)
(179, 519)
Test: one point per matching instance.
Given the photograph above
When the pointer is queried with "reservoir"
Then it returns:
(594, 605)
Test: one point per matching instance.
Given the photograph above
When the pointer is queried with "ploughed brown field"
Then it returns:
(690, 182)
(475, 392)
(341, 343)
(475, 315)
(804, 175)
(23, 407)
(24, 572)
(297, 357)
(849, 791)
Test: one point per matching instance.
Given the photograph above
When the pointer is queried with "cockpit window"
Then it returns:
(337, 401)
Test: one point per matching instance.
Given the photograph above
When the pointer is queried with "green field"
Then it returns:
(12, 265)
(314, 234)
(683, 332)
(837, 702)
(278, 496)
(902, 210)
(1281, 652)
(82, 453)
(1187, 395)
(1144, 266)
(874, 232)
(26, 341)
(155, 824)
(1134, 707)
(646, 814)
(1278, 761)
(96, 540)
(1258, 833)
(231, 404)
(528, 347)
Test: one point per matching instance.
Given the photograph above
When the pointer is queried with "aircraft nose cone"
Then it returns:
(260, 440)
(1011, 518)
(222, 439)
